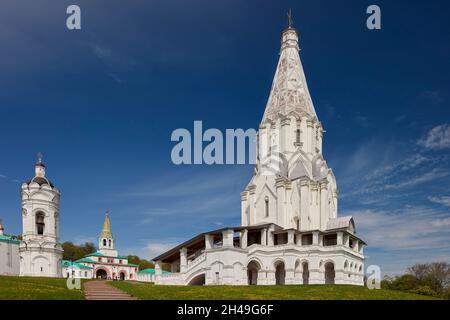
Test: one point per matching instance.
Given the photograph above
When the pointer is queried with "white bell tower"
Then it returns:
(40, 250)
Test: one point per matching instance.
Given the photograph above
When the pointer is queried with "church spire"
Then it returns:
(289, 94)
(106, 231)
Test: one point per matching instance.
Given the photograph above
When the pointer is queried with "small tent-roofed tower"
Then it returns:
(40, 250)
(106, 239)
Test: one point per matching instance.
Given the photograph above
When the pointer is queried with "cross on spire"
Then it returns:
(290, 19)
(40, 156)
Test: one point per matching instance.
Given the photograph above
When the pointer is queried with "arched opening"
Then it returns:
(40, 224)
(109, 243)
(252, 272)
(305, 273)
(101, 274)
(329, 273)
(198, 280)
(122, 275)
(280, 273)
(297, 136)
(104, 242)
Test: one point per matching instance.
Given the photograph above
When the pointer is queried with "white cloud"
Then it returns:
(437, 138)
(3, 176)
(445, 200)
(409, 228)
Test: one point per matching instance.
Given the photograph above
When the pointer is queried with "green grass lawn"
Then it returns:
(312, 292)
(29, 288)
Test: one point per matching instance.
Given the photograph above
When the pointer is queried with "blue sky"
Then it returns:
(101, 104)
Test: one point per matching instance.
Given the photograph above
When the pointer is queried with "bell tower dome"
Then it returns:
(40, 250)
(106, 239)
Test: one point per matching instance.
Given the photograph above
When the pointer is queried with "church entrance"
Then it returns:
(305, 273)
(252, 273)
(280, 273)
(329, 273)
(101, 274)
(122, 275)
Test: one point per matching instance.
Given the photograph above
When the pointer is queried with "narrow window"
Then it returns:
(297, 136)
(110, 243)
(40, 224)
(266, 202)
(104, 242)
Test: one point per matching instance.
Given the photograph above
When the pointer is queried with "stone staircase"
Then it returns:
(102, 290)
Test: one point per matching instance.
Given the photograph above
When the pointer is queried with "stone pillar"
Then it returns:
(291, 236)
(309, 136)
(270, 236)
(304, 204)
(227, 238)
(281, 220)
(347, 240)
(244, 212)
(356, 247)
(284, 139)
(264, 237)
(183, 259)
(251, 203)
(340, 238)
(244, 238)
(324, 207)
(316, 238)
(209, 241)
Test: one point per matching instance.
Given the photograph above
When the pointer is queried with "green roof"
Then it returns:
(84, 260)
(95, 254)
(132, 264)
(68, 263)
(151, 270)
(6, 238)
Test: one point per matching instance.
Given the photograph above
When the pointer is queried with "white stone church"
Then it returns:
(290, 232)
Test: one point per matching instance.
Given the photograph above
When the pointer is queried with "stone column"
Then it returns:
(270, 236)
(324, 207)
(291, 236)
(183, 259)
(227, 238)
(280, 202)
(244, 204)
(316, 238)
(340, 238)
(209, 241)
(304, 204)
(263, 237)
(309, 136)
(244, 238)
(356, 247)
(284, 139)
(347, 241)
(251, 204)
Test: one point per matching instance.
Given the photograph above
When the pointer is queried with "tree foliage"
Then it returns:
(74, 252)
(427, 278)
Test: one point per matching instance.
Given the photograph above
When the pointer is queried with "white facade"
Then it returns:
(106, 263)
(76, 270)
(40, 250)
(9, 254)
(290, 232)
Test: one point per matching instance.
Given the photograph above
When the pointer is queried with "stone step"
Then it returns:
(97, 290)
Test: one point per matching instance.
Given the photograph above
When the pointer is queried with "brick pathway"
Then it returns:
(102, 290)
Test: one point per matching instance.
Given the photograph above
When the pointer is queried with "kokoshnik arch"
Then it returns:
(290, 232)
